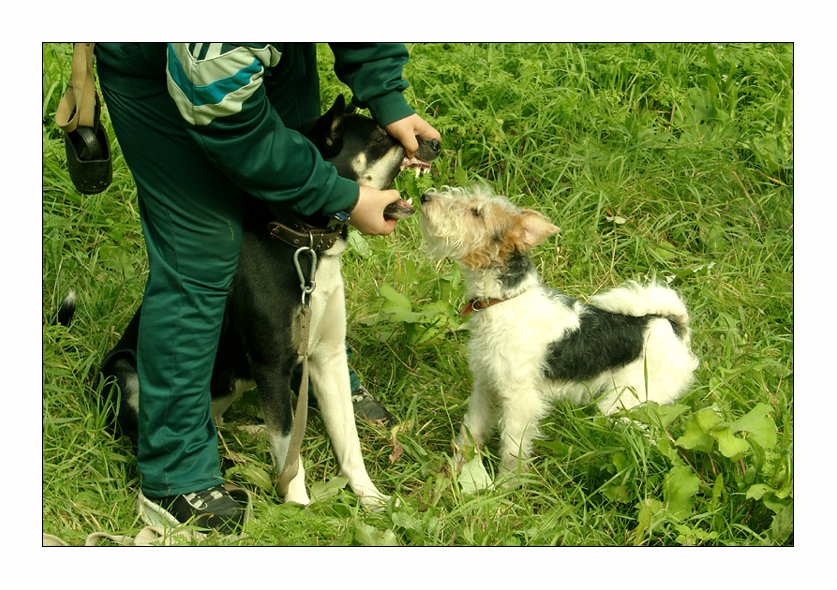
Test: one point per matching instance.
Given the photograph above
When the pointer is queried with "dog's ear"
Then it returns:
(530, 229)
(335, 117)
(327, 132)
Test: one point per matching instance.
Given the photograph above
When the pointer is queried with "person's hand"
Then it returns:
(368, 214)
(407, 129)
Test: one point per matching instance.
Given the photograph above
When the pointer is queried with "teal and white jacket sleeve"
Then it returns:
(219, 91)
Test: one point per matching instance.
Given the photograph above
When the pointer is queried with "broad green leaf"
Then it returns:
(679, 487)
(707, 419)
(646, 510)
(689, 536)
(405, 520)
(756, 491)
(616, 489)
(710, 57)
(760, 426)
(365, 534)
(664, 252)
(730, 445)
(772, 499)
(621, 462)
(646, 413)
(328, 489)
(695, 436)
(782, 526)
(399, 314)
(473, 477)
(666, 447)
(422, 334)
(785, 491)
(390, 294)
(669, 414)
(369, 536)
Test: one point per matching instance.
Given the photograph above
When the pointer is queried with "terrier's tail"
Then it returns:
(638, 300)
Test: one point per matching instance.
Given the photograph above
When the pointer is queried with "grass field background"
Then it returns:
(666, 161)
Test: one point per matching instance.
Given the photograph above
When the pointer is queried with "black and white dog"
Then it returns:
(532, 345)
(260, 335)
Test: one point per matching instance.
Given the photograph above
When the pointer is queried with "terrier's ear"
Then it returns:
(531, 229)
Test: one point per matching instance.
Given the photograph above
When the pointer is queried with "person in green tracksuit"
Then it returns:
(200, 126)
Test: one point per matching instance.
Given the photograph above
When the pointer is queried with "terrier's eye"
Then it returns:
(476, 213)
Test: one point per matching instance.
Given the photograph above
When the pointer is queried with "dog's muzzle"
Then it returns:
(400, 209)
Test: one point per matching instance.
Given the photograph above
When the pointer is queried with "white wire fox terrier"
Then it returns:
(531, 345)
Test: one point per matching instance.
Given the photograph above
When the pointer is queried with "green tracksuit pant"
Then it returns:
(192, 221)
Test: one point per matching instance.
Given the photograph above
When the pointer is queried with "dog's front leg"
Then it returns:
(330, 379)
(274, 388)
(479, 421)
(296, 488)
(521, 413)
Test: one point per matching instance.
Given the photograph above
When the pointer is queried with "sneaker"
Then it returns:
(213, 508)
(368, 408)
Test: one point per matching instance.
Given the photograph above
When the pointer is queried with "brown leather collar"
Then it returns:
(304, 235)
(481, 304)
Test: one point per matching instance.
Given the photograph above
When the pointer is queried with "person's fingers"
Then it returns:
(368, 214)
(404, 131)
(407, 129)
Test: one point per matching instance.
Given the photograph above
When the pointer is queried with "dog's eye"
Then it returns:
(476, 213)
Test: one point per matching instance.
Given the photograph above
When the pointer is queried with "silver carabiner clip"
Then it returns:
(307, 286)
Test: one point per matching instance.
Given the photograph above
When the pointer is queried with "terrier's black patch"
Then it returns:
(518, 267)
(603, 341)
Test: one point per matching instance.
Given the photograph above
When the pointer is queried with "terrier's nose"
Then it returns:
(426, 197)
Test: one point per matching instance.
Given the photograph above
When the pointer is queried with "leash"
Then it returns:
(291, 467)
(318, 240)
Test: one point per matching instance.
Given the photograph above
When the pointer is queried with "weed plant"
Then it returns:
(666, 161)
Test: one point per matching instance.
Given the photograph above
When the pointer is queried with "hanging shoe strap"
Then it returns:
(77, 107)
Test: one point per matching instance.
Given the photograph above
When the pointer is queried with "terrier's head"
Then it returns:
(478, 229)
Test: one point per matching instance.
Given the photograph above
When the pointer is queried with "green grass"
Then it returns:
(674, 161)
